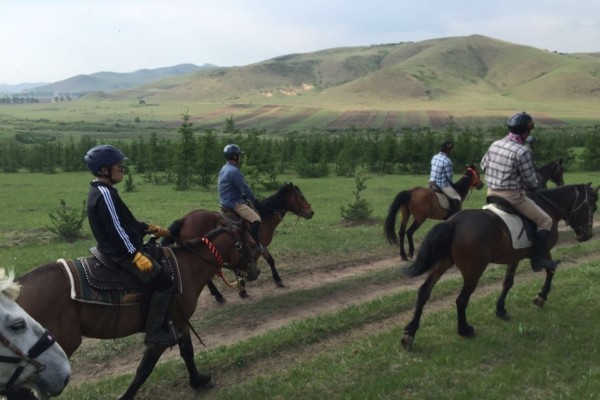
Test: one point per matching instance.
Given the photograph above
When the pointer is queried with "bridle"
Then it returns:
(21, 359)
(568, 217)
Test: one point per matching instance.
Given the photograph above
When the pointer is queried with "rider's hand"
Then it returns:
(158, 231)
(142, 262)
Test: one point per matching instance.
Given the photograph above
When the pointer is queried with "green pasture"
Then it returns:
(29, 198)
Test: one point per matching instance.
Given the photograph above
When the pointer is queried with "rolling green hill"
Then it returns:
(472, 80)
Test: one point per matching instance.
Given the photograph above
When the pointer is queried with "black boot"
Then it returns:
(540, 252)
(255, 233)
(454, 207)
(159, 331)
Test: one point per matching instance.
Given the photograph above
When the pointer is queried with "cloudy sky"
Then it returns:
(52, 40)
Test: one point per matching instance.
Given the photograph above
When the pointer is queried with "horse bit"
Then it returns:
(45, 341)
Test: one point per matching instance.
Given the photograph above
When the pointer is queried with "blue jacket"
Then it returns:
(233, 187)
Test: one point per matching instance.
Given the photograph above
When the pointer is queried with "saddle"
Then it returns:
(522, 229)
(99, 280)
(443, 200)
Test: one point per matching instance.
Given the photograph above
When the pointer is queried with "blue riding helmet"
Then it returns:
(103, 155)
(231, 150)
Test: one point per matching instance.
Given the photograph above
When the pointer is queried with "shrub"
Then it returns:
(67, 221)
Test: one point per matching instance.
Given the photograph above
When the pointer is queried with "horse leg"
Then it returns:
(462, 301)
(197, 380)
(542, 296)
(402, 233)
(409, 235)
(423, 295)
(269, 258)
(215, 292)
(509, 280)
(242, 285)
(149, 360)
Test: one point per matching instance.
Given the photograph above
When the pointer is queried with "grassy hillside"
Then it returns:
(473, 80)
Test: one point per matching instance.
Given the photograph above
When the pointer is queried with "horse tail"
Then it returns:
(175, 229)
(389, 226)
(436, 246)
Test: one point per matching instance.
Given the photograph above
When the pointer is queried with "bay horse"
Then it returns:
(272, 210)
(472, 239)
(553, 172)
(46, 296)
(31, 362)
(422, 203)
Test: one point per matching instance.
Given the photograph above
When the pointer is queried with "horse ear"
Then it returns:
(560, 161)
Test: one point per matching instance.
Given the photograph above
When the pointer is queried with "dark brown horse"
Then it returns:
(272, 210)
(422, 203)
(472, 239)
(46, 295)
(553, 172)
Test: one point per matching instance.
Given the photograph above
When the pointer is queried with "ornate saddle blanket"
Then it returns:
(100, 281)
(521, 229)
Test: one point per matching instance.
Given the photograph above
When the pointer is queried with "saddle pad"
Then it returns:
(519, 232)
(92, 282)
(443, 200)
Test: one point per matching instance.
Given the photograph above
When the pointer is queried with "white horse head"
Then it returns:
(29, 355)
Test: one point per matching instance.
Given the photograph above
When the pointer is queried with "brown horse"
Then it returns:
(422, 203)
(553, 172)
(46, 295)
(272, 210)
(472, 239)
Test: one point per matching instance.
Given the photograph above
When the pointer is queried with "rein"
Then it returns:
(574, 208)
(220, 262)
(45, 341)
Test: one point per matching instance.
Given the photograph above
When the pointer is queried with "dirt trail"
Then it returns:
(228, 333)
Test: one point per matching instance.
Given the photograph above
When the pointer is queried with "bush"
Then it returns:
(67, 221)
(360, 210)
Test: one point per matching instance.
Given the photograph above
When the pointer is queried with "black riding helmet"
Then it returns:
(520, 123)
(231, 151)
(100, 156)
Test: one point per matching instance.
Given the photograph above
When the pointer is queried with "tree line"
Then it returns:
(195, 157)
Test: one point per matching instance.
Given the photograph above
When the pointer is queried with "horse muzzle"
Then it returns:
(253, 272)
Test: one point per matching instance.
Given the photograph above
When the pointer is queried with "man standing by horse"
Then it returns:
(441, 175)
(509, 172)
(121, 237)
(233, 192)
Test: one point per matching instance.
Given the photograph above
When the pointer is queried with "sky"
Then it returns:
(52, 40)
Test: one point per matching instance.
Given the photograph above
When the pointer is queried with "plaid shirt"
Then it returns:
(508, 165)
(441, 170)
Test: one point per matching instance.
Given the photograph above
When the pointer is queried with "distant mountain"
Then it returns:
(17, 88)
(451, 70)
(111, 81)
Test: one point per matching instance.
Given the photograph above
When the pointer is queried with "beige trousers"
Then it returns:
(523, 204)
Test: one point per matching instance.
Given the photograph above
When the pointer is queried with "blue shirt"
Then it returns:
(232, 186)
(441, 170)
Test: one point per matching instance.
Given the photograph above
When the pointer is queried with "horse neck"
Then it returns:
(558, 202)
(462, 186)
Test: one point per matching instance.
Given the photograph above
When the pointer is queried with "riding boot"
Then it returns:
(255, 233)
(159, 328)
(540, 252)
(454, 207)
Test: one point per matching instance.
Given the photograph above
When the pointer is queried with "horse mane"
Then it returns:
(8, 286)
(274, 202)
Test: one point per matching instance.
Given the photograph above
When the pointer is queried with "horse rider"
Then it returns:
(530, 142)
(121, 237)
(234, 191)
(441, 175)
(509, 172)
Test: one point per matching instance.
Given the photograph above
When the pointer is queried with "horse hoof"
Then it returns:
(279, 284)
(404, 258)
(407, 342)
(538, 301)
(244, 294)
(203, 382)
(503, 316)
(468, 332)
(221, 299)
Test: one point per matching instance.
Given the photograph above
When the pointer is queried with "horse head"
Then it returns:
(243, 261)
(297, 203)
(475, 179)
(29, 356)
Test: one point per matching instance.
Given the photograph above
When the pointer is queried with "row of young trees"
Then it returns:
(195, 157)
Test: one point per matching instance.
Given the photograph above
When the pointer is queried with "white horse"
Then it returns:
(30, 359)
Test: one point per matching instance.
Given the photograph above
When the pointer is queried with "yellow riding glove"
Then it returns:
(158, 231)
(142, 262)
